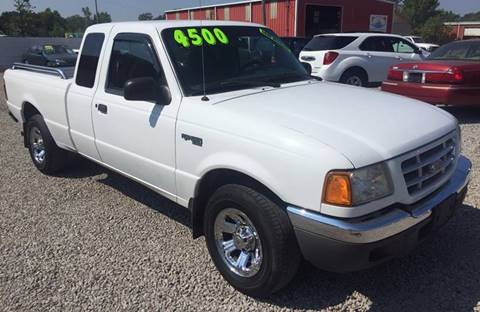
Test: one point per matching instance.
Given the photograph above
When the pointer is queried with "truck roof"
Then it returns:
(169, 24)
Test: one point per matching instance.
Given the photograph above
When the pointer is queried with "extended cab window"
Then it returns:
(132, 57)
(87, 67)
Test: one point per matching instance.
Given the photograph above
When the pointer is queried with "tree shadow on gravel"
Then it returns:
(465, 115)
(443, 274)
(146, 196)
(84, 168)
(80, 167)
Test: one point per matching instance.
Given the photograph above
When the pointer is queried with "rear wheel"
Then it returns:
(355, 77)
(45, 154)
(250, 240)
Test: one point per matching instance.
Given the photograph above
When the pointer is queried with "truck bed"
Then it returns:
(46, 89)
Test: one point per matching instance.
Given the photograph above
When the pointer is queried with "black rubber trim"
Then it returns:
(13, 117)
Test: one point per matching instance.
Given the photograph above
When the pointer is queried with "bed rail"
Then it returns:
(41, 69)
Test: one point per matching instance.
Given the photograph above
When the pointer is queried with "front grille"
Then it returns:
(429, 167)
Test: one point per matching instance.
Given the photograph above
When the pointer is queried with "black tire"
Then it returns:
(281, 255)
(39, 138)
(355, 77)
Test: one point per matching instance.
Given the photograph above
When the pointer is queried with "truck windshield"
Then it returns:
(234, 58)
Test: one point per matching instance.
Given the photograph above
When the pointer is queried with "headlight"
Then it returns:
(352, 188)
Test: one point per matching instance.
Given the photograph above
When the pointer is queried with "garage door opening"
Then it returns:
(322, 19)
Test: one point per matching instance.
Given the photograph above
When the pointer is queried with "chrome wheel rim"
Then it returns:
(37, 144)
(354, 81)
(238, 242)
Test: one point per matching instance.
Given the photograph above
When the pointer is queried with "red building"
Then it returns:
(300, 17)
(464, 30)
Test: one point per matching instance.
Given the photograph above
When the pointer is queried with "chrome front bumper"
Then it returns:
(379, 226)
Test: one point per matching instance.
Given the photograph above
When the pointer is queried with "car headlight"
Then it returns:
(356, 187)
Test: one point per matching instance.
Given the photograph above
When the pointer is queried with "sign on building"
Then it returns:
(378, 23)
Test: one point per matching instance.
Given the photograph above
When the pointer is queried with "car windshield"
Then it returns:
(234, 58)
(461, 50)
(50, 49)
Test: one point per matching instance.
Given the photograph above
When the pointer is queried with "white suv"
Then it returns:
(359, 59)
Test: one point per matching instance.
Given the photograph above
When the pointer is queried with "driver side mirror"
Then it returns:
(307, 67)
(146, 89)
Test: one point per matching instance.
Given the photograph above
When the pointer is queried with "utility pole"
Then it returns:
(264, 13)
(96, 11)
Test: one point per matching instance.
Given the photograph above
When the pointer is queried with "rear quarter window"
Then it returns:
(87, 67)
(321, 43)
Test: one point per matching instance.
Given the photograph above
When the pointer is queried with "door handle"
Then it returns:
(399, 58)
(102, 108)
(369, 55)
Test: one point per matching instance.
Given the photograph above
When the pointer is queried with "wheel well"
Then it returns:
(355, 68)
(214, 179)
(28, 111)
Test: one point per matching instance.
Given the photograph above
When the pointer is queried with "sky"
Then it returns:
(124, 10)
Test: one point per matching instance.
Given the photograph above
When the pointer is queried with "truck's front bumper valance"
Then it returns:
(323, 238)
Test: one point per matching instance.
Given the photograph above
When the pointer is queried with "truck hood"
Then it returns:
(366, 126)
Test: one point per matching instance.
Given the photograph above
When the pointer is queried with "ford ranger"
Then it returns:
(274, 165)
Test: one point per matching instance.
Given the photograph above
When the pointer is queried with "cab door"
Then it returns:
(81, 93)
(137, 137)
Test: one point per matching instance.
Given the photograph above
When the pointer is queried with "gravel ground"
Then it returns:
(93, 240)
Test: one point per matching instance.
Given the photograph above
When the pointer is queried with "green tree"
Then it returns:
(50, 24)
(435, 31)
(145, 16)
(418, 11)
(25, 17)
(9, 23)
(471, 17)
(87, 15)
(103, 17)
(75, 24)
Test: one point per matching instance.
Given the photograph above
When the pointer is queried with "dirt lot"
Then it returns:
(93, 240)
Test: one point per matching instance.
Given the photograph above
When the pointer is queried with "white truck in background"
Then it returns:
(275, 166)
(420, 42)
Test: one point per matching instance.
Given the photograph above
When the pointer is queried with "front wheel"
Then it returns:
(45, 154)
(251, 240)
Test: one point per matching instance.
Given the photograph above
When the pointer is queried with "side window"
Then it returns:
(87, 67)
(371, 44)
(402, 46)
(132, 56)
(377, 44)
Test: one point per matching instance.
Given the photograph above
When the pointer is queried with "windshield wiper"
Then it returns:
(293, 77)
(250, 83)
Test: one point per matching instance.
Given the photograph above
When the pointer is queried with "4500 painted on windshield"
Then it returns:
(196, 38)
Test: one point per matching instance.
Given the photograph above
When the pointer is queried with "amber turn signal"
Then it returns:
(337, 189)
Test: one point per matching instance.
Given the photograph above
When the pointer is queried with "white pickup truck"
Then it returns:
(274, 166)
